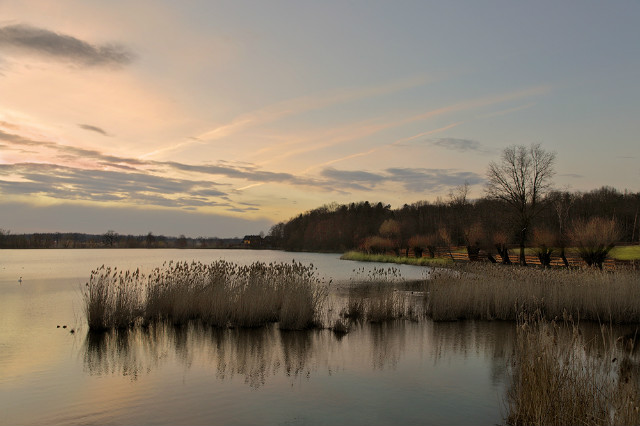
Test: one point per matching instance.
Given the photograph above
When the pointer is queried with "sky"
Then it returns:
(222, 118)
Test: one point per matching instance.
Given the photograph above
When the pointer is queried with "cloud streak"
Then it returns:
(291, 107)
(25, 38)
(412, 179)
(460, 145)
(95, 129)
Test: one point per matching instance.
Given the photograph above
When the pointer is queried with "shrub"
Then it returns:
(544, 242)
(419, 243)
(594, 239)
(377, 245)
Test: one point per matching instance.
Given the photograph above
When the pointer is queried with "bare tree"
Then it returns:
(521, 179)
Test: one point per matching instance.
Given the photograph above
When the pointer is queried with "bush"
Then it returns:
(377, 245)
(544, 242)
(594, 239)
(419, 243)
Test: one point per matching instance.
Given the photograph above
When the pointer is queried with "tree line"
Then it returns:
(109, 239)
(519, 209)
(340, 227)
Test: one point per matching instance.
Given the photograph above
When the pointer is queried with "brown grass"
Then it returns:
(559, 376)
(221, 294)
(497, 292)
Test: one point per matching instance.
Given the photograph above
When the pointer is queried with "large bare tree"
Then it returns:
(521, 179)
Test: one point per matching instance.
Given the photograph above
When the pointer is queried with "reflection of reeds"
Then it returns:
(496, 292)
(560, 377)
(220, 294)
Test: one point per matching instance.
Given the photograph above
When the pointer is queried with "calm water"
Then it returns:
(395, 373)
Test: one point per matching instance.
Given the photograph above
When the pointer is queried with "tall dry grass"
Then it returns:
(112, 298)
(221, 294)
(496, 292)
(560, 376)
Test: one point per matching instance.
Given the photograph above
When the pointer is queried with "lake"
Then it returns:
(401, 372)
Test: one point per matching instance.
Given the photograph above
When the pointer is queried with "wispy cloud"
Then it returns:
(96, 129)
(43, 42)
(412, 179)
(461, 145)
(60, 182)
(370, 127)
(290, 107)
(377, 148)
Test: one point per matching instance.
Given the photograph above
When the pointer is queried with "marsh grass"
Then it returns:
(221, 294)
(112, 299)
(497, 292)
(561, 376)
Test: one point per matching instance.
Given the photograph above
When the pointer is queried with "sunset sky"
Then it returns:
(221, 118)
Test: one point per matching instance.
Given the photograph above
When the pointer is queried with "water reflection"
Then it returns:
(256, 355)
(493, 341)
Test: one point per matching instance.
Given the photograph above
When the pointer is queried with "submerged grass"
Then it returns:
(383, 258)
(221, 294)
(559, 376)
(497, 292)
(377, 297)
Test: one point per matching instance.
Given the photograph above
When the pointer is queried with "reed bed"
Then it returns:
(559, 376)
(496, 292)
(221, 294)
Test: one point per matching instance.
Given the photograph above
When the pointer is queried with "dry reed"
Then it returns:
(496, 292)
(375, 298)
(221, 294)
(561, 377)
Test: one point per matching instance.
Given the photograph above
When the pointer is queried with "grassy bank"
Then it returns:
(486, 291)
(221, 294)
(625, 253)
(561, 376)
(422, 261)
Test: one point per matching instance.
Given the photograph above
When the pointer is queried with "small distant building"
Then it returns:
(252, 241)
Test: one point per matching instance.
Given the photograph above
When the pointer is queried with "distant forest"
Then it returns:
(339, 228)
(109, 239)
(342, 227)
